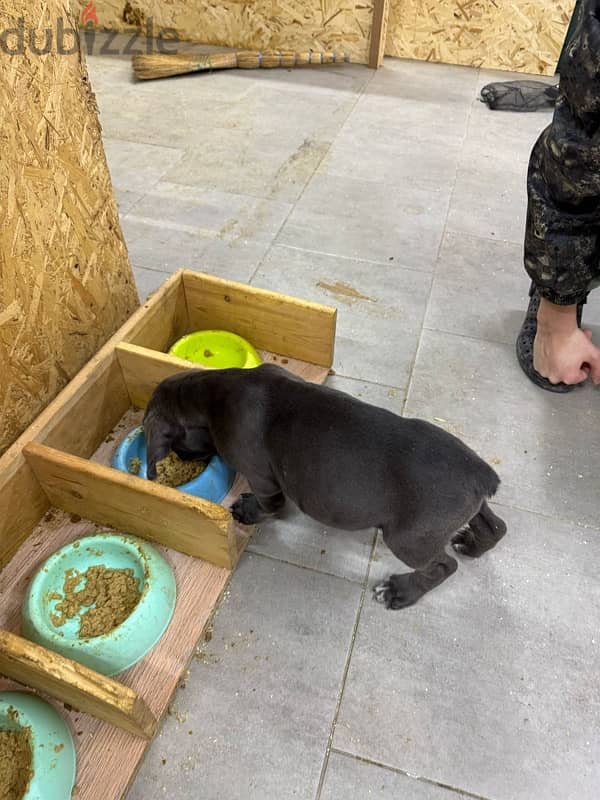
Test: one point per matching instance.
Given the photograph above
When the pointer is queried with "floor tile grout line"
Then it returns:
(433, 272)
(551, 517)
(343, 257)
(279, 560)
(469, 336)
(471, 235)
(458, 232)
(308, 181)
(420, 778)
(138, 141)
(306, 184)
(338, 704)
(337, 374)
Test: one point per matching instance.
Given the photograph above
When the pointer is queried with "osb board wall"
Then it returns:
(65, 280)
(341, 25)
(522, 35)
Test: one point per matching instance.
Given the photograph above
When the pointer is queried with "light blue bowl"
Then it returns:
(53, 760)
(126, 644)
(212, 484)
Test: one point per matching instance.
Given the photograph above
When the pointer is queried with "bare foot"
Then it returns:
(562, 352)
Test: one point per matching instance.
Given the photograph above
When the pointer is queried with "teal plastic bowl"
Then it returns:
(126, 644)
(53, 762)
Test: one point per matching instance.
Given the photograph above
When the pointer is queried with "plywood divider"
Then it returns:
(180, 521)
(74, 684)
(271, 321)
(516, 35)
(144, 369)
(65, 422)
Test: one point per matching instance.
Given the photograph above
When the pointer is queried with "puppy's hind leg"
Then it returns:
(431, 563)
(482, 533)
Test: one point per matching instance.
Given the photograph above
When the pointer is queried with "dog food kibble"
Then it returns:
(172, 471)
(135, 466)
(110, 594)
(15, 763)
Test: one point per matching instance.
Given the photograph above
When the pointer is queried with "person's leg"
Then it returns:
(562, 239)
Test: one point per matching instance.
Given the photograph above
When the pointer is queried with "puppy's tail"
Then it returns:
(488, 479)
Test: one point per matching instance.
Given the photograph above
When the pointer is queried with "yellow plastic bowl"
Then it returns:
(217, 349)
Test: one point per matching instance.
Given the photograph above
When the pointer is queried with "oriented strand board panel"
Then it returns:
(65, 280)
(341, 25)
(519, 35)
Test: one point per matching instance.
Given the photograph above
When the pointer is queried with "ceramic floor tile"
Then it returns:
(136, 167)
(479, 288)
(489, 202)
(210, 212)
(148, 280)
(168, 249)
(232, 161)
(350, 778)
(374, 153)
(377, 329)
(369, 220)
(259, 700)
(297, 539)
(488, 683)
(543, 445)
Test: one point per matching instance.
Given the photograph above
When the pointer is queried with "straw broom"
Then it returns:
(164, 65)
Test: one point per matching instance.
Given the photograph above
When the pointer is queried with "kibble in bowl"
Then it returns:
(104, 600)
(211, 481)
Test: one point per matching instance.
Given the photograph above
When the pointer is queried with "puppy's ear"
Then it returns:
(160, 435)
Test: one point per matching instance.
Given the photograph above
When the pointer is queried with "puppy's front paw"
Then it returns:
(399, 591)
(246, 509)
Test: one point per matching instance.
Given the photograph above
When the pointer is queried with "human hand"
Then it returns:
(562, 352)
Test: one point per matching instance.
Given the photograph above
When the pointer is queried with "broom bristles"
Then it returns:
(164, 65)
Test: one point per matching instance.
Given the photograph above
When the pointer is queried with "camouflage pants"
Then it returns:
(562, 237)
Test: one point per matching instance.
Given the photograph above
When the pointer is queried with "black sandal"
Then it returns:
(525, 341)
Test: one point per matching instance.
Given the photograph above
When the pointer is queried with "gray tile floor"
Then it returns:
(402, 185)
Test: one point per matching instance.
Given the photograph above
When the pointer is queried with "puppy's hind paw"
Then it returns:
(379, 592)
(464, 543)
(397, 592)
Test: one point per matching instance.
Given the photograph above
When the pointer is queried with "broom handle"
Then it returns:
(272, 59)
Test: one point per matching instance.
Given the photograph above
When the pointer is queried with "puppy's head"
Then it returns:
(170, 424)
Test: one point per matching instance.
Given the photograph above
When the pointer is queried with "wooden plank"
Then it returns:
(22, 500)
(72, 683)
(158, 513)
(381, 10)
(144, 369)
(84, 421)
(81, 422)
(270, 321)
(107, 756)
(165, 317)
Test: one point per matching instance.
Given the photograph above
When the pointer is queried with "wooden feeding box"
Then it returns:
(56, 486)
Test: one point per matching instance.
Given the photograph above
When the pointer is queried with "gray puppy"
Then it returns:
(345, 463)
